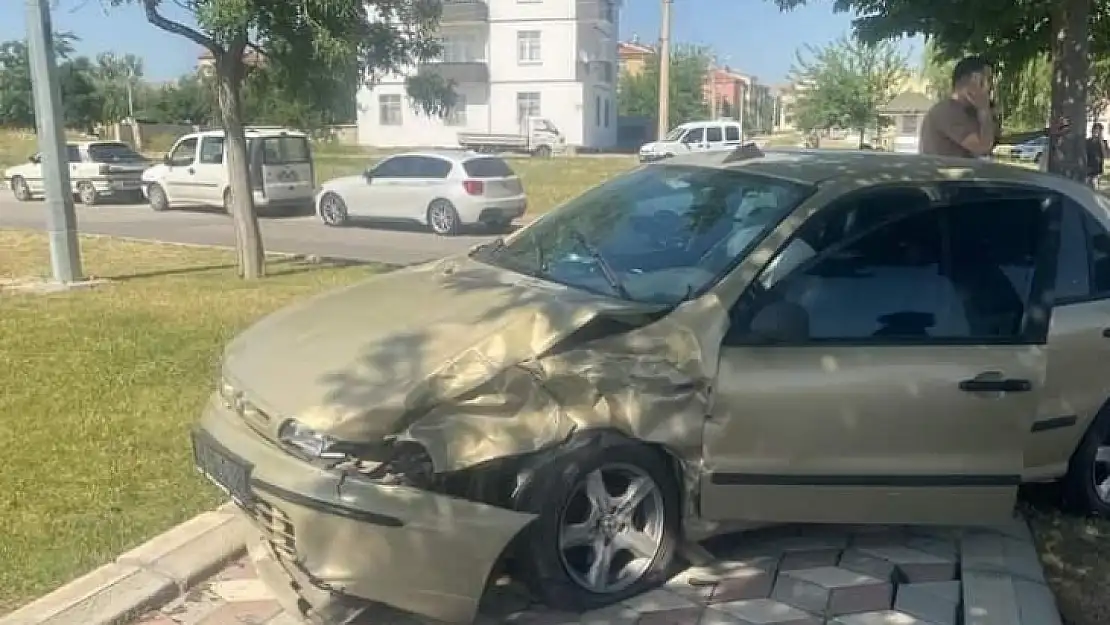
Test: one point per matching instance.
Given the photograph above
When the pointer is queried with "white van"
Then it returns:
(193, 173)
(704, 136)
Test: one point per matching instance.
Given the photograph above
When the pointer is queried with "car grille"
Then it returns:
(277, 528)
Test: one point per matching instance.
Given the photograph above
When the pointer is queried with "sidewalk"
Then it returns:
(783, 576)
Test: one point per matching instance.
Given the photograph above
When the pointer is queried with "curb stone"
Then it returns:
(145, 578)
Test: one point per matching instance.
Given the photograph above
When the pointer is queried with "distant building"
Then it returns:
(907, 111)
(509, 60)
(632, 56)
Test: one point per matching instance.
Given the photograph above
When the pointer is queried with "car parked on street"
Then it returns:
(445, 190)
(98, 170)
(193, 172)
(714, 342)
(702, 136)
(1032, 150)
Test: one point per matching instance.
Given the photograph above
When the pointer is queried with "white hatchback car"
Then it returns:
(446, 190)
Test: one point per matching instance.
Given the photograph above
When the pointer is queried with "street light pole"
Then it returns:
(65, 253)
(664, 70)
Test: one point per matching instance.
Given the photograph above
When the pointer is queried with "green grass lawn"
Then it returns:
(548, 182)
(100, 387)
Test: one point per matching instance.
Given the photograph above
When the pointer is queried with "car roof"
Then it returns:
(251, 132)
(452, 154)
(866, 167)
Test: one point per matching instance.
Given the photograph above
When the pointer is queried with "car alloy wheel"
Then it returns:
(87, 193)
(333, 212)
(442, 218)
(20, 189)
(608, 520)
(612, 528)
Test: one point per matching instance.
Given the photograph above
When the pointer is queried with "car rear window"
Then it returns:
(285, 150)
(487, 168)
(112, 153)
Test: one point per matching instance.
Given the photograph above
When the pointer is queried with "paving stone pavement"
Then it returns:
(791, 575)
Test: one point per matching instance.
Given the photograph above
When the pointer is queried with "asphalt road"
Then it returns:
(294, 235)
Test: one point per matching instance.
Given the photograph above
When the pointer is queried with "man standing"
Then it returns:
(1096, 154)
(962, 125)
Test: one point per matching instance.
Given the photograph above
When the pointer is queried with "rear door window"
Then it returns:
(732, 132)
(285, 151)
(212, 150)
(713, 134)
(429, 167)
(487, 168)
(73, 154)
(112, 153)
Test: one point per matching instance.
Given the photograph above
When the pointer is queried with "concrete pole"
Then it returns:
(65, 253)
(664, 70)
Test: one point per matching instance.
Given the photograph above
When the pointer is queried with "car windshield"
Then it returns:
(113, 153)
(675, 134)
(659, 234)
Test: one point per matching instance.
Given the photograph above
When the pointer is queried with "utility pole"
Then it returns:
(664, 70)
(65, 253)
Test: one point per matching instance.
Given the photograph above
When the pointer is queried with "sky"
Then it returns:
(750, 36)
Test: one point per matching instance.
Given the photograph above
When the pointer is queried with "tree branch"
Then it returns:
(177, 28)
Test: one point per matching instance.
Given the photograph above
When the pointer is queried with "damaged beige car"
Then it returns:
(714, 341)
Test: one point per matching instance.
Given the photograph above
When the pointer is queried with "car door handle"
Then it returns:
(983, 384)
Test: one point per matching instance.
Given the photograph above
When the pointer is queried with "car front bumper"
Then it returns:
(652, 158)
(324, 538)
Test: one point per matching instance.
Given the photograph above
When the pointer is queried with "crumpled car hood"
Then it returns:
(441, 353)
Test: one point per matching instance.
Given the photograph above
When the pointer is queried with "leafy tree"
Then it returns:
(80, 101)
(325, 98)
(300, 39)
(189, 100)
(847, 82)
(17, 102)
(116, 79)
(638, 95)
(1011, 34)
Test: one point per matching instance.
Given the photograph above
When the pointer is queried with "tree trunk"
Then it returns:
(862, 132)
(248, 239)
(1070, 66)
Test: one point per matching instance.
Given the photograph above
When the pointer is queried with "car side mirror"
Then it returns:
(166, 159)
(777, 322)
(34, 158)
(368, 175)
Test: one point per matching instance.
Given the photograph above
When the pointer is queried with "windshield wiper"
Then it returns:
(606, 268)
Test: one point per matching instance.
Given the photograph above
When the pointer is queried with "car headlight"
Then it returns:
(408, 464)
(309, 442)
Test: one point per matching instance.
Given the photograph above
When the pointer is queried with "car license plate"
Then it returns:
(230, 474)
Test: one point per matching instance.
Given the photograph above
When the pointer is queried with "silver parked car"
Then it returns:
(446, 190)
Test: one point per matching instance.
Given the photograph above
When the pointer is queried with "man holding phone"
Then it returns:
(964, 124)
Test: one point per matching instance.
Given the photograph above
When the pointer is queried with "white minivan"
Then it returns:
(704, 136)
(194, 173)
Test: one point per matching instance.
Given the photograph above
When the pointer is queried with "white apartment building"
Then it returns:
(510, 59)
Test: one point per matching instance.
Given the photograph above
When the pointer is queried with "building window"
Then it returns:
(607, 112)
(457, 116)
(527, 105)
(389, 110)
(462, 49)
(597, 111)
(528, 46)
(608, 11)
(908, 125)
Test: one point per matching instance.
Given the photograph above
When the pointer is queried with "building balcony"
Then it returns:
(464, 12)
(468, 72)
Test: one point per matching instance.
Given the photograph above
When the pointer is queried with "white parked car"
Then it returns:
(445, 190)
(705, 136)
(193, 173)
(97, 170)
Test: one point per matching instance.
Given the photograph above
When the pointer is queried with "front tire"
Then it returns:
(333, 210)
(20, 189)
(1086, 487)
(608, 526)
(157, 198)
(87, 193)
